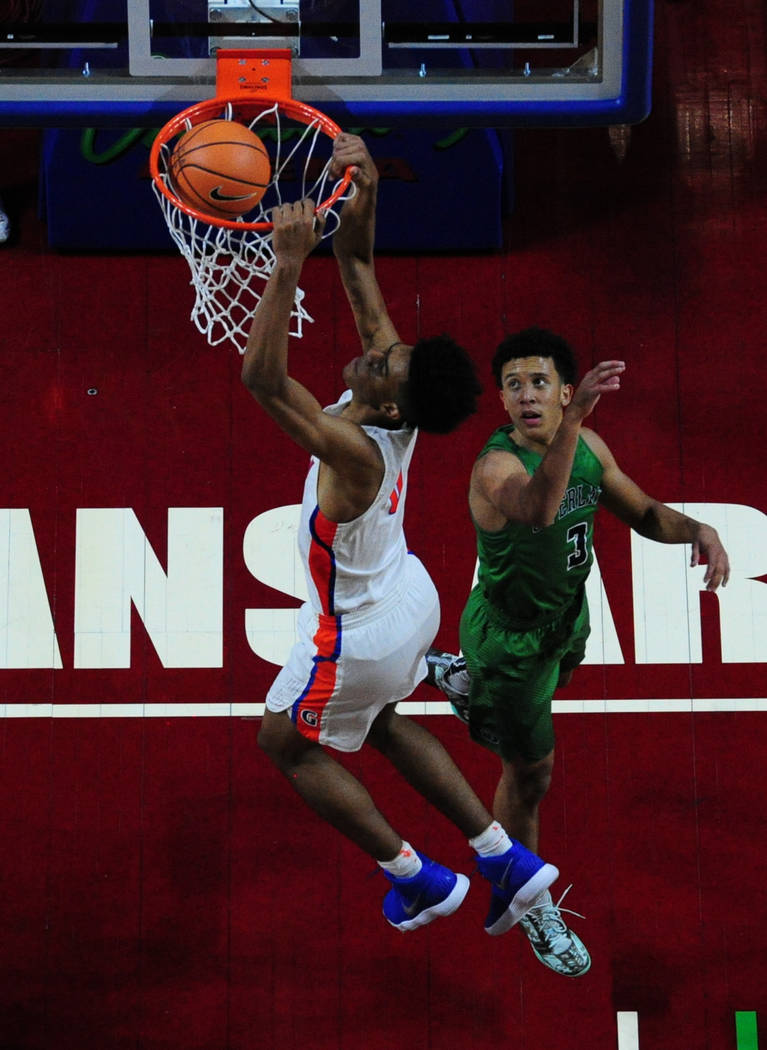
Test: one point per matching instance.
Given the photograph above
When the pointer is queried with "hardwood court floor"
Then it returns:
(161, 886)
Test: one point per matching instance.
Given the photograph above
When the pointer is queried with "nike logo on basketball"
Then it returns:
(217, 195)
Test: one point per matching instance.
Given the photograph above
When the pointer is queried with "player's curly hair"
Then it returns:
(536, 342)
(442, 387)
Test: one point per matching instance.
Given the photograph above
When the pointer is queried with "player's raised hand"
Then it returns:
(602, 379)
(350, 151)
(297, 230)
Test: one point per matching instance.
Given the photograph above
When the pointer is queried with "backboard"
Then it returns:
(363, 62)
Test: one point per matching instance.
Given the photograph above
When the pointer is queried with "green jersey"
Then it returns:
(532, 575)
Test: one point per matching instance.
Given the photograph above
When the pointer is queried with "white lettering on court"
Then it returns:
(27, 636)
(115, 567)
(116, 570)
(271, 555)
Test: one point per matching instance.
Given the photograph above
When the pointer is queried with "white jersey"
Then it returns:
(353, 564)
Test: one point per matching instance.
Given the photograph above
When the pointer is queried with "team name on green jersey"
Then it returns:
(578, 496)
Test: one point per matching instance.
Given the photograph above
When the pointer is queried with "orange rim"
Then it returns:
(300, 111)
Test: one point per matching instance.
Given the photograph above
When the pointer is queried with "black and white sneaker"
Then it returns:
(447, 672)
(553, 943)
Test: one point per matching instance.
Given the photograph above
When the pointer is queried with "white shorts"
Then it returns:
(343, 670)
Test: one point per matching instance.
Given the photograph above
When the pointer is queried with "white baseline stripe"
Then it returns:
(602, 707)
(408, 707)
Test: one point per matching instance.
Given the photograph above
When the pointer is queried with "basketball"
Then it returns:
(221, 168)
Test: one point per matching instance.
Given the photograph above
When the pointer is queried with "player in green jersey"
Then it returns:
(534, 491)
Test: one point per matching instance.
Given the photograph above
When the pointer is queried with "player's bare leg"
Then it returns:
(518, 795)
(422, 890)
(425, 764)
(521, 789)
(329, 788)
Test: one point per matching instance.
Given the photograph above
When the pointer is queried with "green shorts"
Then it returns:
(514, 674)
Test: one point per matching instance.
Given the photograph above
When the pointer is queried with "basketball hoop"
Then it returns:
(231, 259)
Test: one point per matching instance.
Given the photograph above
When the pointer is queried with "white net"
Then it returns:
(231, 261)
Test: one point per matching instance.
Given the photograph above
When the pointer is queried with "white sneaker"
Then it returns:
(554, 944)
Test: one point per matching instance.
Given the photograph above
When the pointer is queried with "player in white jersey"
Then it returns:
(373, 610)
(372, 607)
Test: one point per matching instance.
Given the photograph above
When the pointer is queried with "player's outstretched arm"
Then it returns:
(656, 521)
(355, 236)
(265, 364)
(354, 240)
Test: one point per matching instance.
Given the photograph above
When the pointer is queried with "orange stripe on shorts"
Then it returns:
(308, 710)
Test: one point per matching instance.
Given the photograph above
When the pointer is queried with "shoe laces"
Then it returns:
(548, 923)
(559, 907)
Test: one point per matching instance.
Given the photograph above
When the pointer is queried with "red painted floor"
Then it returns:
(161, 887)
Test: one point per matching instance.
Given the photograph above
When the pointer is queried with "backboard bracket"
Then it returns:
(254, 71)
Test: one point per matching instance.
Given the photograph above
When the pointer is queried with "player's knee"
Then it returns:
(533, 786)
(538, 784)
(529, 781)
(279, 740)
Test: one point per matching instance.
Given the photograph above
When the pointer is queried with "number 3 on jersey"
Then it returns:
(578, 535)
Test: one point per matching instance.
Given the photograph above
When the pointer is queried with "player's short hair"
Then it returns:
(536, 342)
(442, 387)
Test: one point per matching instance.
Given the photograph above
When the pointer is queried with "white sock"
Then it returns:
(492, 842)
(405, 865)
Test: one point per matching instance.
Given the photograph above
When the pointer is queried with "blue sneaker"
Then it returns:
(518, 878)
(416, 901)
